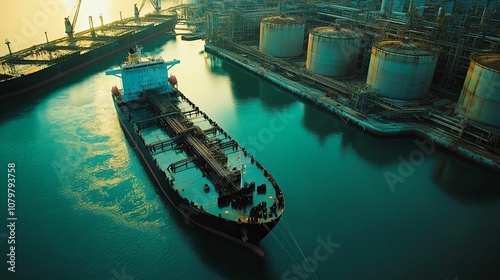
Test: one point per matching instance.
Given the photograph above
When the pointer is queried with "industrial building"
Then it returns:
(433, 63)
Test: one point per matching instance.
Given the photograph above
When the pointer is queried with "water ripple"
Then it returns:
(94, 170)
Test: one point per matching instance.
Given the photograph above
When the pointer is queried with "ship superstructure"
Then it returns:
(197, 166)
(139, 75)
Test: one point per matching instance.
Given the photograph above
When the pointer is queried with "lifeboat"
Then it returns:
(115, 91)
(172, 80)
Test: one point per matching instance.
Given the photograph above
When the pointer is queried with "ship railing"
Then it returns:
(211, 130)
(190, 112)
(228, 144)
(177, 127)
(145, 122)
(180, 163)
(162, 145)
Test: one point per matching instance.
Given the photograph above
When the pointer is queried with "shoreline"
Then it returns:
(315, 97)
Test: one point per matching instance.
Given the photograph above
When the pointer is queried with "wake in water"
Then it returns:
(305, 266)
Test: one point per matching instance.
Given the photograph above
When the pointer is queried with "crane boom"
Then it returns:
(156, 4)
(142, 5)
(137, 11)
(70, 25)
(73, 23)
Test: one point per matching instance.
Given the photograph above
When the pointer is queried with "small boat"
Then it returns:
(192, 36)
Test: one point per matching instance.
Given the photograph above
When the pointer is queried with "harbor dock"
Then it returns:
(442, 136)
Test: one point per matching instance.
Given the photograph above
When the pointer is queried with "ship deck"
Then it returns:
(43, 55)
(192, 150)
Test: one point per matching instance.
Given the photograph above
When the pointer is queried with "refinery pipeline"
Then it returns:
(392, 67)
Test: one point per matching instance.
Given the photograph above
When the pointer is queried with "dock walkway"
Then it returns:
(450, 141)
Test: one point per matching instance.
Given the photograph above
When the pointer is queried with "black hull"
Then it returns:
(28, 83)
(246, 234)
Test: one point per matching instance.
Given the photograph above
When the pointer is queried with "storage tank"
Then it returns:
(401, 69)
(333, 51)
(282, 36)
(480, 96)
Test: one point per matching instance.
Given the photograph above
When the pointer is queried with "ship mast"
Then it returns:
(70, 25)
(7, 42)
(242, 167)
(11, 65)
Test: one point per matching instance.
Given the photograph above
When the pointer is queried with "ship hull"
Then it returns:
(33, 81)
(246, 234)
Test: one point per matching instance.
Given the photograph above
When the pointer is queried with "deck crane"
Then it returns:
(156, 5)
(70, 25)
(138, 10)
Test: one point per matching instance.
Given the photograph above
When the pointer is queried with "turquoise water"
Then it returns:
(86, 208)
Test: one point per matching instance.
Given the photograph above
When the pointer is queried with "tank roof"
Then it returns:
(406, 48)
(284, 19)
(335, 32)
(490, 60)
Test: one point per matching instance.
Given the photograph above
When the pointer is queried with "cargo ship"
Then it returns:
(195, 165)
(31, 68)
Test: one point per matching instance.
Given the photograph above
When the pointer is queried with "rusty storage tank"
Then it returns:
(480, 96)
(401, 69)
(333, 51)
(282, 36)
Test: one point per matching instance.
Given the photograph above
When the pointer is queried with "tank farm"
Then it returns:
(430, 69)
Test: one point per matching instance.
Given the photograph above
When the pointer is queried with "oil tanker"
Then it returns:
(195, 165)
(31, 68)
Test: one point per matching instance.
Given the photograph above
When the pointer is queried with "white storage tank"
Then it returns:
(480, 96)
(402, 70)
(282, 36)
(333, 51)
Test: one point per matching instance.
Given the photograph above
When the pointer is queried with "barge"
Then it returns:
(26, 70)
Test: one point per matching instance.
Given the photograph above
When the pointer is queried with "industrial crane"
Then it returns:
(156, 5)
(138, 10)
(70, 26)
